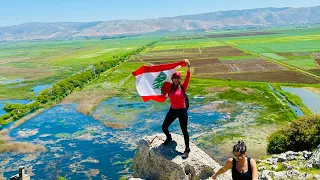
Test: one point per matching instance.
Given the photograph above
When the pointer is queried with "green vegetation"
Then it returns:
(17, 111)
(195, 43)
(296, 101)
(312, 171)
(62, 135)
(226, 58)
(274, 56)
(126, 162)
(275, 111)
(66, 86)
(81, 132)
(293, 99)
(96, 66)
(302, 134)
(302, 63)
(220, 137)
(48, 62)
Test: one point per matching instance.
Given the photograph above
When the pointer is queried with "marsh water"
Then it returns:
(39, 88)
(80, 147)
(83, 147)
(293, 107)
(309, 98)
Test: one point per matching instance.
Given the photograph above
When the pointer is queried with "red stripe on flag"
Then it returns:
(160, 98)
(166, 87)
(158, 68)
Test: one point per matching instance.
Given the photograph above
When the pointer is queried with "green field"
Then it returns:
(48, 62)
(56, 62)
(195, 43)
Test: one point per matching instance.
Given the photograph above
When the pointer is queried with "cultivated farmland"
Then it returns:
(223, 61)
(284, 76)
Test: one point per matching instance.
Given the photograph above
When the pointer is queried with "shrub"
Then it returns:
(302, 134)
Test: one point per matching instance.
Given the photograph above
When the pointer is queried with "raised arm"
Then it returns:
(187, 79)
(223, 169)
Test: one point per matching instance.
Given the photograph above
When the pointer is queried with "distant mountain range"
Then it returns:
(204, 21)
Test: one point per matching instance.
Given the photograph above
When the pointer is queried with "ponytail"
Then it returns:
(240, 147)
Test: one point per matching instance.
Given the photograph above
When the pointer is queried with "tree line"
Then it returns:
(64, 87)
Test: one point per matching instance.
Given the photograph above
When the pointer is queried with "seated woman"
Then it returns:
(243, 167)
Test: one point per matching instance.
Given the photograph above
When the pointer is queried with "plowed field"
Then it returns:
(284, 76)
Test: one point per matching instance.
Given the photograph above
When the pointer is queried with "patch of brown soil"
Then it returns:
(18, 147)
(254, 65)
(204, 61)
(213, 69)
(221, 51)
(191, 50)
(317, 71)
(244, 90)
(166, 50)
(26, 73)
(316, 90)
(225, 108)
(285, 76)
(217, 89)
(21, 147)
(115, 125)
(88, 99)
(15, 59)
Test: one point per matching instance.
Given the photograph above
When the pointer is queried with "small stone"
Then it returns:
(292, 157)
(287, 166)
(266, 175)
(282, 158)
(274, 167)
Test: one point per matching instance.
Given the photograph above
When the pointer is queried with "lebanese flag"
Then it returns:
(154, 82)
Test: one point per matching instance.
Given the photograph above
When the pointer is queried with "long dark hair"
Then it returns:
(172, 87)
(240, 147)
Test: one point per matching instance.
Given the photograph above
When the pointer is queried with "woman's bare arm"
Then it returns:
(223, 169)
(254, 169)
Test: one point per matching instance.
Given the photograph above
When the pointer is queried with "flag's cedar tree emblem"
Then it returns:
(158, 82)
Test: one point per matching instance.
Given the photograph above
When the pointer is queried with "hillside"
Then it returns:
(204, 21)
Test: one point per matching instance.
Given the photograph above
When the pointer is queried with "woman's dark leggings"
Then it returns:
(182, 114)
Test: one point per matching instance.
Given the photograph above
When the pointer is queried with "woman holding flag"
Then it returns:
(178, 108)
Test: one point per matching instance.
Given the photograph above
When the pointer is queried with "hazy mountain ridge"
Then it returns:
(247, 17)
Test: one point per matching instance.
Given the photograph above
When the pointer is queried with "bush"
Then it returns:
(302, 134)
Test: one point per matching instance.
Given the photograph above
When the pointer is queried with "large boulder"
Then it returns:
(155, 161)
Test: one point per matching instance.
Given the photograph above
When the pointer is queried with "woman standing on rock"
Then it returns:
(178, 108)
(243, 167)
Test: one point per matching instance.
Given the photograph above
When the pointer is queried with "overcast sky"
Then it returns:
(14, 12)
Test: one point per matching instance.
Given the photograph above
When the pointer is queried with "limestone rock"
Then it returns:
(154, 161)
(316, 177)
(282, 158)
(314, 160)
(295, 174)
(307, 154)
(267, 175)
